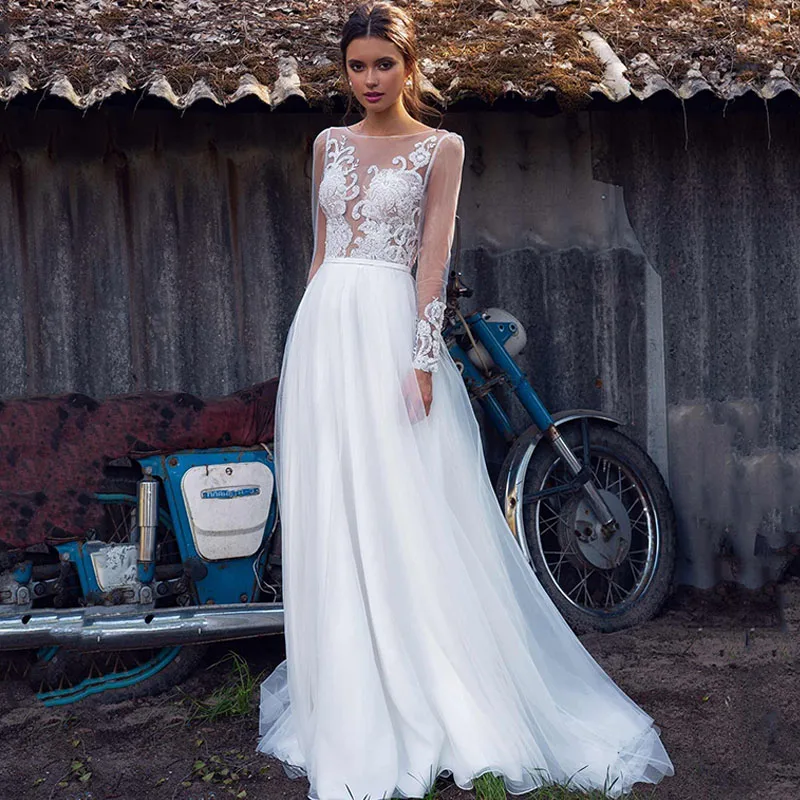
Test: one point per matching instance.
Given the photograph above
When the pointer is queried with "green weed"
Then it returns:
(491, 787)
(234, 698)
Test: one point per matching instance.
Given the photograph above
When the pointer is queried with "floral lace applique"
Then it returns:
(338, 186)
(389, 213)
(391, 207)
(427, 344)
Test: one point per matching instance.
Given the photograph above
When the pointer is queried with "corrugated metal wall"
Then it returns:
(714, 202)
(150, 250)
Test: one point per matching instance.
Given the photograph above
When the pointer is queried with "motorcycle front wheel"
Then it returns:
(600, 580)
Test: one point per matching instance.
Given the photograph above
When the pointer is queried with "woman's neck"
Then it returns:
(391, 122)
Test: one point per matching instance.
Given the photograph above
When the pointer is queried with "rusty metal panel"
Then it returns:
(653, 258)
(152, 252)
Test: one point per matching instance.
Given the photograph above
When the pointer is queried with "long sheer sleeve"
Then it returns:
(317, 217)
(438, 224)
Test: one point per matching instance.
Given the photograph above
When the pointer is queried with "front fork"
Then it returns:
(488, 334)
(583, 475)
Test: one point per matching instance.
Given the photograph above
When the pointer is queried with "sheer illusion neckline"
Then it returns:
(391, 135)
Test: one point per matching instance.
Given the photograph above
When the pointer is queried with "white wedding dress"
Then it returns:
(418, 640)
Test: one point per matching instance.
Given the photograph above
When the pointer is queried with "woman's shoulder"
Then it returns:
(449, 136)
(442, 135)
(449, 145)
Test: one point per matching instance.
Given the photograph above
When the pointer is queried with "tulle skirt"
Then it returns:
(418, 640)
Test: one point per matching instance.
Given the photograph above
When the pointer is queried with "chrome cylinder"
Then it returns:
(147, 518)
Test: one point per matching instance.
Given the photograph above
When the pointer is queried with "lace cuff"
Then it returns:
(426, 346)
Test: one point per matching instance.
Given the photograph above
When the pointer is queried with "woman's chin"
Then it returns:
(377, 105)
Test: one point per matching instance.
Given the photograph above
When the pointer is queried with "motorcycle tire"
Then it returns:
(577, 586)
(68, 668)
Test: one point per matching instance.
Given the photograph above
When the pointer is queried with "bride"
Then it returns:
(418, 640)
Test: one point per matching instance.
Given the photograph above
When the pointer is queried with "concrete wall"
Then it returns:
(656, 281)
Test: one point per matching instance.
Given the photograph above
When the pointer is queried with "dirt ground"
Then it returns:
(718, 670)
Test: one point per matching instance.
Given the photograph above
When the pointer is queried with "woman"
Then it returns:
(418, 640)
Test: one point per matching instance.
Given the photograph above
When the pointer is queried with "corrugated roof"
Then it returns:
(188, 50)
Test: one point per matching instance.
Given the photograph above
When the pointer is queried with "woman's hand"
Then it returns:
(425, 383)
(418, 394)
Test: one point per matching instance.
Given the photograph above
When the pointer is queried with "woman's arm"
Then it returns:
(438, 224)
(317, 215)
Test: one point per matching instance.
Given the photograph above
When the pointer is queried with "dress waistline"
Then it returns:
(369, 262)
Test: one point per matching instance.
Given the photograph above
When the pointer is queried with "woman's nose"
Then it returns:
(372, 78)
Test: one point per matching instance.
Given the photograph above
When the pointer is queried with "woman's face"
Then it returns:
(376, 71)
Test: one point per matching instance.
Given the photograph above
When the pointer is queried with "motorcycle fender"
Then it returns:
(512, 473)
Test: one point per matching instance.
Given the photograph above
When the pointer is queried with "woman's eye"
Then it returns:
(387, 65)
(356, 67)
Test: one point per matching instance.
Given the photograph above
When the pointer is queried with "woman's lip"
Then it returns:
(373, 96)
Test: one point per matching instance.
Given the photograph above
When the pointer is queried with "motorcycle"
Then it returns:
(191, 551)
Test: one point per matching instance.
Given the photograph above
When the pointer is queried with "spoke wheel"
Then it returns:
(599, 579)
(61, 677)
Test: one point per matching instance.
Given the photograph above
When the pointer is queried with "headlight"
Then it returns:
(514, 343)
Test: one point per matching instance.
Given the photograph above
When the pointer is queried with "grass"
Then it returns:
(235, 697)
(492, 787)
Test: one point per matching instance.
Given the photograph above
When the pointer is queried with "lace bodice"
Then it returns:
(391, 198)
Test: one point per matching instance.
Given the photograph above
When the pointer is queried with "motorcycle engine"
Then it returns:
(513, 345)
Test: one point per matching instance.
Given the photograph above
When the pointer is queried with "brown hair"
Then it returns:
(387, 21)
